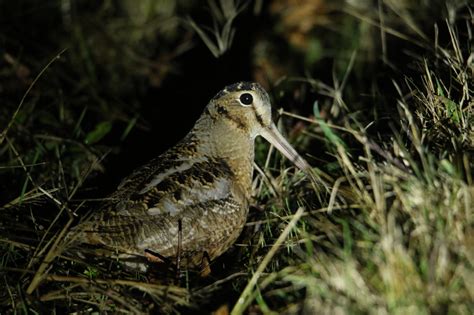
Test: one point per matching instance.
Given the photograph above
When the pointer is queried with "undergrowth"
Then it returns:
(377, 96)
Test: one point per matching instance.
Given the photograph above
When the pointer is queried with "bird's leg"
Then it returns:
(178, 252)
(205, 265)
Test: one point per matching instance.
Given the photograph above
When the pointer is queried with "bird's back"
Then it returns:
(181, 188)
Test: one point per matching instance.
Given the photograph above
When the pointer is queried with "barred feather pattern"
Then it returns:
(204, 182)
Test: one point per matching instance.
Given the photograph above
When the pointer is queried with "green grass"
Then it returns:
(379, 99)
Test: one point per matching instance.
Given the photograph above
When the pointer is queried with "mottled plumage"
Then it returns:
(204, 181)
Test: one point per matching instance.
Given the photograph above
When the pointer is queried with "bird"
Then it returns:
(192, 201)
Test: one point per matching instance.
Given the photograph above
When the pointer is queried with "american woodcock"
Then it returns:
(193, 199)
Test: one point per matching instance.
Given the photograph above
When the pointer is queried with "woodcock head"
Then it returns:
(247, 107)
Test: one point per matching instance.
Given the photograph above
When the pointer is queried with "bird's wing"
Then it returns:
(201, 197)
(169, 185)
(145, 209)
(178, 158)
(202, 230)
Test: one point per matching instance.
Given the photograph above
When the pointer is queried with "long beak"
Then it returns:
(273, 136)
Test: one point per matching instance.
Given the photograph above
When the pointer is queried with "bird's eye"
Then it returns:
(246, 99)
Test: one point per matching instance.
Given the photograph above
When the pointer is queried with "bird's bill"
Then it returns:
(272, 135)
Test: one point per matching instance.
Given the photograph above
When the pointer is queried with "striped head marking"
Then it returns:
(246, 106)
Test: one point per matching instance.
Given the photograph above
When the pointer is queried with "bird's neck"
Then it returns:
(222, 140)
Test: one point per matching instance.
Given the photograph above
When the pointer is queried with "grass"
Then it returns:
(378, 97)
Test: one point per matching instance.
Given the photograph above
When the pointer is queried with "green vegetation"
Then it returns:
(377, 95)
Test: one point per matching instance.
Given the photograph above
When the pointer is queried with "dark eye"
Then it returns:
(246, 98)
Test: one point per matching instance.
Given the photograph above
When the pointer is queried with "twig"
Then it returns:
(52, 253)
(38, 187)
(144, 286)
(306, 213)
(244, 300)
(217, 283)
(178, 252)
(12, 120)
